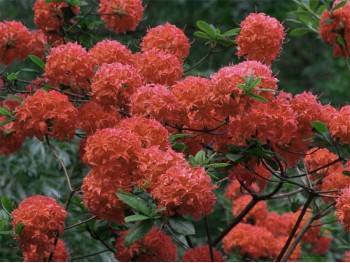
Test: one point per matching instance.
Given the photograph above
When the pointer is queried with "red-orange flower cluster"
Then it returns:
(114, 83)
(343, 208)
(201, 254)
(69, 65)
(14, 39)
(60, 254)
(260, 38)
(92, 117)
(121, 15)
(168, 38)
(47, 113)
(335, 24)
(109, 51)
(157, 101)
(42, 218)
(154, 247)
(340, 125)
(157, 66)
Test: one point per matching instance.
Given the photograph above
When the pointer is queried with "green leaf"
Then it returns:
(6, 233)
(138, 232)
(297, 32)
(134, 218)
(319, 126)
(7, 204)
(313, 4)
(179, 147)
(201, 34)
(340, 5)
(182, 226)
(46, 87)
(37, 61)
(217, 165)
(5, 112)
(200, 158)
(205, 27)
(2, 123)
(94, 24)
(19, 228)
(231, 32)
(321, 9)
(3, 225)
(179, 136)
(257, 97)
(136, 203)
(233, 157)
(340, 40)
(12, 76)
(347, 173)
(255, 82)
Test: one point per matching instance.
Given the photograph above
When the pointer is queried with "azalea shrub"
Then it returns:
(156, 163)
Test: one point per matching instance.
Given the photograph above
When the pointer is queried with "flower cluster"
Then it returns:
(157, 101)
(157, 66)
(114, 83)
(60, 254)
(47, 113)
(92, 117)
(14, 39)
(201, 254)
(69, 65)
(168, 38)
(42, 218)
(336, 24)
(260, 38)
(121, 15)
(154, 247)
(109, 51)
(343, 208)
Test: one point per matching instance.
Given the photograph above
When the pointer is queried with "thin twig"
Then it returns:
(90, 255)
(60, 161)
(80, 223)
(209, 238)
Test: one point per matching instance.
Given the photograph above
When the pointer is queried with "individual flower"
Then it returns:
(260, 38)
(322, 245)
(340, 125)
(92, 117)
(109, 51)
(334, 25)
(343, 208)
(42, 217)
(47, 113)
(201, 254)
(335, 180)
(157, 66)
(185, 190)
(38, 44)
(157, 101)
(149, 131)
(99, 194)
(114, 83)
(14, 39)
(112, 150)
(154, 247)
(60, 254)
(69, 65)
(121, 15)
(168, 38)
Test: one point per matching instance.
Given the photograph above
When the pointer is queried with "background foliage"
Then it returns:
(306, 63)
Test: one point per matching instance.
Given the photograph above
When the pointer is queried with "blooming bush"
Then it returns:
(163, 151)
